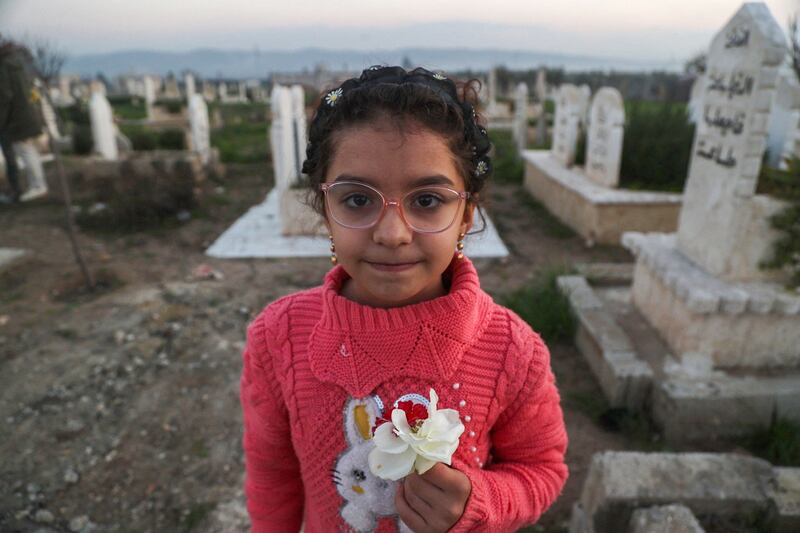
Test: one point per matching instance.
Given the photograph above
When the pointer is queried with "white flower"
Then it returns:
(400, 448)
(481, 168)
(333, 96)
(439, 76)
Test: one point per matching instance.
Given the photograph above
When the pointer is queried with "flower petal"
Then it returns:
(387, 441)
(392, 466)
(423, 464)
(434, 402)
(400, 422)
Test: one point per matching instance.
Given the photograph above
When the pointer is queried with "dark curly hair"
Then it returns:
(439, 104)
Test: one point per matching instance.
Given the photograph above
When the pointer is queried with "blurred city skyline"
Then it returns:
(667, 32)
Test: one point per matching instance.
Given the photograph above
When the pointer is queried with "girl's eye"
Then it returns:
(427, 201)
(356, 200)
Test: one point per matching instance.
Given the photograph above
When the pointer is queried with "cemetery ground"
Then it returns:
(120, 408)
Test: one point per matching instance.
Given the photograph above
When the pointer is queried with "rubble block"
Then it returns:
(297, 217)
(11, 258)
(786, 495)
(626, 380)
(688, 409)
(739, 324)
(664, 519)
(599, 214)
(724, 485)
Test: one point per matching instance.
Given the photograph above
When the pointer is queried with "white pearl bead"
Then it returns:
(477, 459)
(462, 403)
(480, 465)
(456, 386)
(468, 418)
(473, 449)
(471, 433)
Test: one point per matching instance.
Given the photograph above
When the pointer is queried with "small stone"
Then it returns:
(43, 516)
(33, 488)
(119, 337)
(79, 523)
(71, 476)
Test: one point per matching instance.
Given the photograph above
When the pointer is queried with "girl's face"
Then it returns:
(393, 162)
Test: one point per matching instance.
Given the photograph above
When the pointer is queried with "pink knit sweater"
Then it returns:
(318, 368)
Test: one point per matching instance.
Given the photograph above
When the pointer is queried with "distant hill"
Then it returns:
(258, 64)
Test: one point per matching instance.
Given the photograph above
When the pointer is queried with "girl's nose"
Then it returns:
(391, 230)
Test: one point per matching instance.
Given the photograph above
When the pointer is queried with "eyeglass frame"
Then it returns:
(463, 196)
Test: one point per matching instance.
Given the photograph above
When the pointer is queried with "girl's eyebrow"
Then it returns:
(436, 179)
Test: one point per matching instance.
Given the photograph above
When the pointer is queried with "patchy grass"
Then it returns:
(508, 166)
(542, 305)
(636, 427)
(779, 443)
(245, 142)
(197, 512)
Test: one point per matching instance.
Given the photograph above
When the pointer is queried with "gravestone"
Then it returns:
(739, 87)
(696, 99)
(571, 105)
(222, 90)
(149, 96)
(171, 90)
(287, 134)
(784, 116)
(299, 126)
(492, 105)
(521, 117)
(604, 139)
(198, 127)
(541, 95)
(190, 87)
(103, 129)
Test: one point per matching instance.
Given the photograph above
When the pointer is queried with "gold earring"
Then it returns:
(334, 260)
(460, 246)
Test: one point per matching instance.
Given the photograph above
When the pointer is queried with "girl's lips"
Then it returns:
(391, 267)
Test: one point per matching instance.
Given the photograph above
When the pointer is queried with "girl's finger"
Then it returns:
(432, 495)
(414, 492)
(407, 514)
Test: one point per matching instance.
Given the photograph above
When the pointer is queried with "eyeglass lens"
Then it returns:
(427, 209)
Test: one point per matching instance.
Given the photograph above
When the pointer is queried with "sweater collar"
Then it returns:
(358, 347)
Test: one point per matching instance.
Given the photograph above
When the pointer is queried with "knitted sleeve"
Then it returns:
(529, 441)
(273, 485)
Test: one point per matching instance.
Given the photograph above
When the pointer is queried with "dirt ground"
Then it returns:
(119, 410)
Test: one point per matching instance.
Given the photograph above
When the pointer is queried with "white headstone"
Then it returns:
(784, 116)
(521, 116)
(171, 89)
(743, 63)
(696, 99)
(541, 85)
(190, 89)
(287, 134)
(604, 139)
(491, 104)
(222, 88)
(198, 126)
(149, 95)
(103, 130)
(299, 128)
(571, 105)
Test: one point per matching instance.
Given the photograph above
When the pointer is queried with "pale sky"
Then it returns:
(635, 29)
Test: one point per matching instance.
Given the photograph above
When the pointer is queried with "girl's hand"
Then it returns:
(434, 501)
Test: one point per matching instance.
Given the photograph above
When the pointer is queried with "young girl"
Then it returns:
(396, 161)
